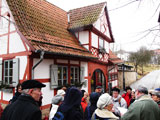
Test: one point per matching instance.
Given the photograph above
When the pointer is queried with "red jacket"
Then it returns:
(84, 104)
(127, 97)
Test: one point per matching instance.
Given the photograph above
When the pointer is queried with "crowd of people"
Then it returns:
(75, 104)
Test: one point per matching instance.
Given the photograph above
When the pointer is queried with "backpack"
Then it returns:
(58, 116)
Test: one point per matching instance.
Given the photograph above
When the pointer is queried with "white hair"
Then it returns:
(25, 91)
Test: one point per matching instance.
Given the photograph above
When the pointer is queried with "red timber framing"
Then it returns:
(92, 66)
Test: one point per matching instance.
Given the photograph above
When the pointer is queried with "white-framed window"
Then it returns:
(9, 72)
(62, 75)
(74, 75)
(59, 75)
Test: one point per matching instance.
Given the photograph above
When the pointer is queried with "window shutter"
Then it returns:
(15, 72)
(54, 76)
(82, 75)
(0, 72)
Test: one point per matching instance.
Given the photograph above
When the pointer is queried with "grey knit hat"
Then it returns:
(104, 100)
(57, 99)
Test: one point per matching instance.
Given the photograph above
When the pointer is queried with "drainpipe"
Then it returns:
(40, 60)
(109, 82)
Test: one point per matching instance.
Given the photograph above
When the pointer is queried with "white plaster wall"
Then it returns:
(47, 94)
(7, 96)
(42, 71)
(84, 37)
(15, 43)
(4, 7)
(97, 24)
(3, 25)
(3, 45)
(23, 65)
(76, 34)
(86, 46)
(94, 40)
(107, 46)
(74, 62)
(62, 61)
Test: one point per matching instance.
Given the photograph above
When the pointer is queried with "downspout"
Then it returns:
(40, 60)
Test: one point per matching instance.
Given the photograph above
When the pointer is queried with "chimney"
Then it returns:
(68, 17)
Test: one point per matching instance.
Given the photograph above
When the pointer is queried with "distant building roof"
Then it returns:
(114, 59)
(157, 52)
(44, 25)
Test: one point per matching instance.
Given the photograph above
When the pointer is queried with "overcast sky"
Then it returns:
(127, 22)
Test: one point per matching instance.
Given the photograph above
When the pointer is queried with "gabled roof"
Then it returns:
(45, 25)
(114, 59)
(85, 16)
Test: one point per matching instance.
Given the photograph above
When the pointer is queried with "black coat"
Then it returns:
(24, 108)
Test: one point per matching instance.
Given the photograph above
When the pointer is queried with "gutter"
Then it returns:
(40, 60)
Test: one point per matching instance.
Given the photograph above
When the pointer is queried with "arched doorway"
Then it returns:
(98, 78)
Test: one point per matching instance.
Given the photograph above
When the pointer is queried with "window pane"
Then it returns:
(59, 82)
(64, 82)
(59, 72)
(6, 72)
(101, 43)
(10, 72)
(10, 80)
(6, 80)
(6, 64)
(64, 73)
(11, 64)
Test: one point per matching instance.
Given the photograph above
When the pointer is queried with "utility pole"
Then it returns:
(123, 66)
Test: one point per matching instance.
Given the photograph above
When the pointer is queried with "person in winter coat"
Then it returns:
(17, 94)
(25, 107)
(56, 102)
(84, 101)
(133, 97)
(104, 108)
(92, 107)
(156, 97)
(71, 106)
(127, 96)
(118, 101)
(144, 108)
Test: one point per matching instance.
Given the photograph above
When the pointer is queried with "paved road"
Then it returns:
(151, 80)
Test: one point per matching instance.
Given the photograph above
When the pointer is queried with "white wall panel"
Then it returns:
(7, 96)
(3, 44)
(42, 71)
(15, 43)
(84, 37)
(74, 62)
(47, 94)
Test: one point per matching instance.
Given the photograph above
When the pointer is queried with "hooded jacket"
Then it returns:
(71, 105)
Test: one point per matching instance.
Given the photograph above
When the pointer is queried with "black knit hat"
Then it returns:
(28, 84)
